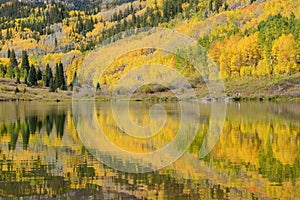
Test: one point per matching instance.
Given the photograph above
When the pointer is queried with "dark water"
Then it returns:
(256, 157)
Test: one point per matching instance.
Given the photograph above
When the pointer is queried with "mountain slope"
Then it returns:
(248, 40)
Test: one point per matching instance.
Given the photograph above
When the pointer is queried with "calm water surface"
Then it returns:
(256, 157)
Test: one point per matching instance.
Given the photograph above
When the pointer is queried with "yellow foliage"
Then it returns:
(263, 68)
(52, 59)
(4, 61)
(71, 69)
(215, 50)
(249, 50)
(284, 53)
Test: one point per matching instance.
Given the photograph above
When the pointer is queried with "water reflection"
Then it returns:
(257, 156)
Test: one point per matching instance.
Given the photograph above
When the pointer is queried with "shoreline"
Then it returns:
(162, 99)
(268, 89)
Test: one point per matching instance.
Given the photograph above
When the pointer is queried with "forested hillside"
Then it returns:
(43, 44)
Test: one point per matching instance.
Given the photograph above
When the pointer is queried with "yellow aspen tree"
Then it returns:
(215, 51)
(249, 50)
(224, 66)
(263, 68)
(246, 71)
(284, 54)
(235, 63)
(233, 54)
(71, 69)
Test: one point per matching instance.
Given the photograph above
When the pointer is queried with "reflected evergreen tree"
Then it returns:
(3, 130)
(275, 170)
(48, 123)
(25, 134)
(14, 133)
(60, 124)
(32, 123)
(39, 125)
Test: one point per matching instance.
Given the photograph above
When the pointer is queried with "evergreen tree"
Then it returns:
(218, 5)
(32, 77)
(8, 53)
(210, 5)
(48, 76)
(8, 34)
(12, 60)
(48, 123)
(60, 124)
(2, 71)
(56, 79)
(24, 75)
(98, 88)
(74, 81)
(25, 61)
(60, 81)
(16, 72)
(52, 87)
(10, 73)
(39, 74)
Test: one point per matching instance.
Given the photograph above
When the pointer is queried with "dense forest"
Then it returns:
(43, 44)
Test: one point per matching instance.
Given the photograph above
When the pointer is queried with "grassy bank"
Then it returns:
(284, 88)
(240, 89)
(266, 88)
(10, 91)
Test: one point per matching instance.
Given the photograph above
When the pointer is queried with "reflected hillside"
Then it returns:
(257, 156)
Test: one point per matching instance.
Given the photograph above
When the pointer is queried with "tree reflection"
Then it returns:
(40, 154)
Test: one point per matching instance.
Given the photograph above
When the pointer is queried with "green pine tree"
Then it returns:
(8, 53)
(62, 80)
(10, 73)
(98, 88)
(39, 74)
(48, 76)
(32, 77)
(25, 61)
(59, 77)
(16, 72)
(8, 34)
(56, 79)
(24, 75)
(52, 87)
(2, 71)
(12, 60)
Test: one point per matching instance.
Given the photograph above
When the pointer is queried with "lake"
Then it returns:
(49, 150)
